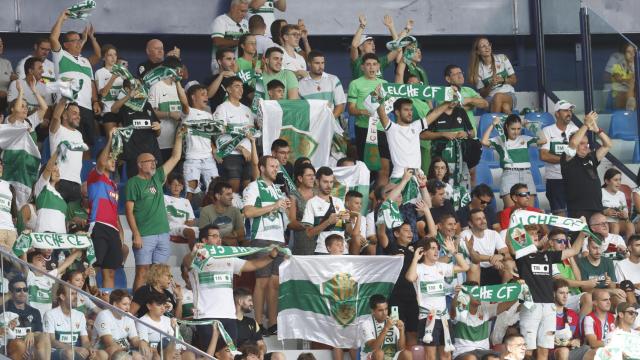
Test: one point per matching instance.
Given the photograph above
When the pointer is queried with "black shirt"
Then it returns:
(146, 66)
(28, 318)
(438, 212)
(535, 270)
(142, 140)
(456, 121)
(247, 331)
(141, 297)
(403, 289)
(464, 213)
(581, 178)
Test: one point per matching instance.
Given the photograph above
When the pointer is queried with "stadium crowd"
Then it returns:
(157, 143)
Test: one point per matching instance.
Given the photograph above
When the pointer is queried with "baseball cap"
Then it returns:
(563, 105)
(364, 38)
(623, 306)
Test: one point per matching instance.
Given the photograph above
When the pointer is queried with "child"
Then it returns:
(179, 211)
(84, 304)
(514, 154)
(109, 86)
(275, 88)
(356, 233)
(152, 341)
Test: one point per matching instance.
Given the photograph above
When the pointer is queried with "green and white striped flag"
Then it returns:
(307, 125)
(324, 298)
(355, 177)
(19, 150)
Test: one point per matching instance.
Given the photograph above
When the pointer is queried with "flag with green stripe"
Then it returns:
(355, 177)
(324, 298)
(21, 158)
(307, 125)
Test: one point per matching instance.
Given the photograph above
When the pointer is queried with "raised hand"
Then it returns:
(387, 21)
(363, 20)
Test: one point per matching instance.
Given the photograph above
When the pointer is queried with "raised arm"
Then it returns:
(182, 96)
(355, 42)
(103, 158)
(56, 118)
(397, 190)
(42, 104)
(54, 37)
(94, 59)
(412, 271)
(575, 248)
(382, 114)
(176, 153)
(485, 137)
(606, 145)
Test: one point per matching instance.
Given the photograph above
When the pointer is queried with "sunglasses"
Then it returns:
(20, 289)
(482, 202)
(523, 194)
(560, 241)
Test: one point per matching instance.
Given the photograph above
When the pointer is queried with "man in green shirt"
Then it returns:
(273, 70)
(145, 211)
(471, 100)
(594, 266)
(364, 44)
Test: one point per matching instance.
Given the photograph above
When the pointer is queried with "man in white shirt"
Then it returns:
(265, 9)
(612, 244)
(381, 337)
(41, 49)
(69, 63)
(558, 140)
(321, 85)
(64, 126)
(629, 268)
(33, 67)
(291, 60)
(226, 29)
(488, 249)
(325, 214)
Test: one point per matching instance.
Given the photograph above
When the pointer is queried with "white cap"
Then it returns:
(190, 84)
(563, 105)
(364, 38)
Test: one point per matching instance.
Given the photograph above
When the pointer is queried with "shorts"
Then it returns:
(8, 238)
(538, 325)
(407, 311)
(87, 126)
(194, 169)
(477, 353)
(511, 177)
(69, 190)
(514, 100)
(155, 250)
(556, 196)
(361, 140)
(58, 354)
(490, 276)
(107, 245)
(110, 117)
(273, 268)
(178, 230)
(235, 167)
(204, 333)
(438, 332)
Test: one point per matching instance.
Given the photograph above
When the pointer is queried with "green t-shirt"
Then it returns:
(356, 66)
(149, 209)
(468, 92)
(359, 89)
(287, 77)
(566, 272)
(246, 71)
(588, 271)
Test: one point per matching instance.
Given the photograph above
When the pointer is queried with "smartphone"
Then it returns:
(394, 313)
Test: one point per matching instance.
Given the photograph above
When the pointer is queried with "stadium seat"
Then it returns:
(101, 141)
(87, 165)
(485, 121)
(534, 156)
(544, 118)
(488, 157)
(483, 176)
(45, 154)
(537, 179)
(628, 195)
(624, 126)
(636, 153)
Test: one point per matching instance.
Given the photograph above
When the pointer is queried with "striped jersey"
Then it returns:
(517, 151)
(103, 199)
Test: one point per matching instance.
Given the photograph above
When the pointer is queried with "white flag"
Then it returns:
(22, 160)
(355, 177)
(324, 298)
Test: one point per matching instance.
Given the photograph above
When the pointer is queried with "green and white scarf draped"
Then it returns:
(120, 137)
(221, 252)
(495, 293)
(122, 72)
(81, 10)
(65, 146)
(158, 74)
(401, 43)
(390, 214)
(207, 128)
(227, 142)
(67, 88)
(289, 181)
(54, 241)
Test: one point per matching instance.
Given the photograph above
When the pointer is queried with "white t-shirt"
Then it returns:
(517, 149)
(30, 123)
(315, 211)
(67, 328)
(269, 226)
(28, 95)
(404, 146)
(213, 288)
(473, 326)
(225, 27)
(179, 210)
(503, 68)
(77, 68)
(70, 168)
(488, 245)
(121, 330)
(616, 201)
(49, 72)
(371, 225)
(197, 143)
(556, 144)
(164, 97)
(263, 43)
(293, 63)
(149, 335)
(6, 219)
(327, 87)
(40, 290)
(235, 117)
(430, 287)
(626, 270)
(52, 211)
(614, 239)
(103, 75)
(369, 330)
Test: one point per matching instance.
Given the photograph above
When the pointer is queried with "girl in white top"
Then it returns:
(152, 342)
(182, 221)
(493, 75)
(614, 203)
(108, 85)
(514, 154)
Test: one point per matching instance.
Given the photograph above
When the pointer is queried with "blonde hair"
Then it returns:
(156, 271)
(475, 60)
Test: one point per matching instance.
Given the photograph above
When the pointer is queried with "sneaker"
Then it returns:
(273, 330)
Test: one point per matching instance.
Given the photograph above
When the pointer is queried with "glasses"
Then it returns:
(523, 194)
(482, 202)
(20, 289)
(631, 312)
(150, 160)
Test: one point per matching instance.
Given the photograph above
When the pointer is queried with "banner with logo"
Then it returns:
(219, 252)
(355, 177)
(494, 293)
(54, 241)
(21, 157)
(622, 345)
(307, 125)
(522, 242)
(324, 298)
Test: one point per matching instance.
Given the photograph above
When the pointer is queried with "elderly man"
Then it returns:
(145, 210)
(227, 28)
(155, 57)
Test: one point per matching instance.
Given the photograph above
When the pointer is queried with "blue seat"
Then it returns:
(483, 176)
(486, 120)
(544, 118)
(537, 179)
(488, 157)
(624, 125)
(45, 154)
(101, 141)
(636, 153)
(87, 165)
(534, 157)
